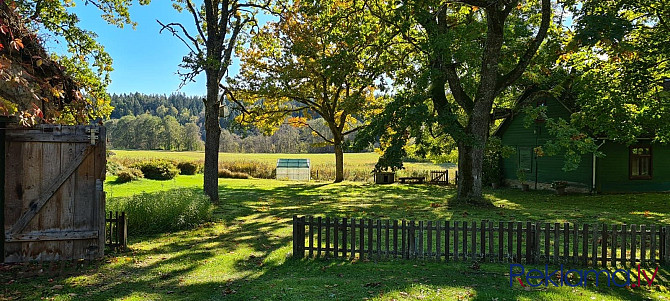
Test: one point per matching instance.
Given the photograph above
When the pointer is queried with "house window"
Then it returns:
(640, 162)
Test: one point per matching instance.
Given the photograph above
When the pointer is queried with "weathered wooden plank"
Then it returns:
(438, 240)
(624, 243)
(447, 238)
(429, 240)
(491, 252)
(50, 215)
(585, 244)
(41, 236)
(395, 238)
(473, 243)
(575, 244)
(379, 239)
(557, 239)
(388, 238)
(403, 237)
(22, 136)
(566, 242)
(465, 240)
(652, 249)
(519, 240)
(529, 242)
(482, 240)
(547, 243)
(369, 238)
(327, 255)
(67, 191)
(318, 237)
(311, 236)
(510, 241)
(352, 250)
(420, 252)
(633, 244)
(501, 238)
(456, 250)
(344, 237)
(613, 246)
(336, 237)
(643, 244)
(42, 198)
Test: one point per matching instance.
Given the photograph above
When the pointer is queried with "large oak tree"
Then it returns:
(461, 55)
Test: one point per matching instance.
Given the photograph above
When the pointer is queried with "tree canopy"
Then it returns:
(322, 59)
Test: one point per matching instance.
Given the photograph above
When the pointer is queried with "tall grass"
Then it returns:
(163, 211)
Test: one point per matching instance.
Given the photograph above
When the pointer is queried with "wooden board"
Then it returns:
(54, 203)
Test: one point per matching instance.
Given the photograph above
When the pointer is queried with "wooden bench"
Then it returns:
(418, 180)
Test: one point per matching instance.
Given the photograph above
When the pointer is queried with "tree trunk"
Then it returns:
(212, 136)
(339, 162)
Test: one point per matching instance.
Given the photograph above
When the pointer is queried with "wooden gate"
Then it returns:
(54, 203)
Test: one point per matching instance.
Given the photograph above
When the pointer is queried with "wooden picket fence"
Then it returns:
(487, 241)
(439, 177)
(116, 231)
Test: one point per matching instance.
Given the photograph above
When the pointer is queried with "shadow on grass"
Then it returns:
(241, 254)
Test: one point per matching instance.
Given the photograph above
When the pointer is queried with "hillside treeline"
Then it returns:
(175, 122)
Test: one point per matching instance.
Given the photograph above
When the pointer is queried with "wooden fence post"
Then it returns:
(123, 229)
(295, 236)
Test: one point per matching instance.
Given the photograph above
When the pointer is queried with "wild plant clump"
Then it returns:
(189, 168)
(126, 175)
(164, 211)
(157, 169)
(225, 173)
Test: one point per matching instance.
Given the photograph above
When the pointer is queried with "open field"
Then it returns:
(354, 163)
(243, 253)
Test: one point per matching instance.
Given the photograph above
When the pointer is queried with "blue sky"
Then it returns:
(144, 60)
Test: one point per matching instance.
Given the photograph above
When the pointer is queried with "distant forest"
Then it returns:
(175, 122)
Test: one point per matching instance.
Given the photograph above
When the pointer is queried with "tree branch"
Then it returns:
(525, 60)
(170, 27)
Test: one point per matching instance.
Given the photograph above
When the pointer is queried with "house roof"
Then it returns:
(293, 163)
(521, 102)
(28, 75)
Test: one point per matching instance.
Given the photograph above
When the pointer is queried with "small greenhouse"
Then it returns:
(293, 169)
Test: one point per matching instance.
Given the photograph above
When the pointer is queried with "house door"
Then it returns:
(54, 199)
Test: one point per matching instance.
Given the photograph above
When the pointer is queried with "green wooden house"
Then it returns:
(641, 167)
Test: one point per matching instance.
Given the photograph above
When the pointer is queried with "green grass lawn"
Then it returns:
(243, 253)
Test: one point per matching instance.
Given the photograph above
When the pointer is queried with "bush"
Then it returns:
(113, 167)
(188, 168)
(164, 211)
(129, 174)
(254, 169)
(157, 169)
(225, 173)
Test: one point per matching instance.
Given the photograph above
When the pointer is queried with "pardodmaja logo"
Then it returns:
(574, 277)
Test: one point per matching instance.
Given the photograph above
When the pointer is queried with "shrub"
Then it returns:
(164, 211)
(129, 174)
(113, 167)
(188, 168)
(254, 169)
(157, 169)
(225, 173)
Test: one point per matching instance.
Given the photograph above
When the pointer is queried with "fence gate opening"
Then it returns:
(54, 203)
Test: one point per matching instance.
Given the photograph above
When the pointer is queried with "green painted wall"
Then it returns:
(545, 169)
(612, 170)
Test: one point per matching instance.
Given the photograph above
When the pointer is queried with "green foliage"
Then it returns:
(126, 175)
(521, 175)
(87, 63)
(492, 165)
(164, 211)
(157, 169)
(189, 168)
(225, 173)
